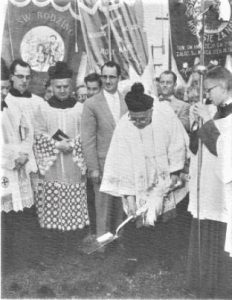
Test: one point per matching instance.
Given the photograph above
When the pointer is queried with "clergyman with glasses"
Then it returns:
(19, 95)
(100, 115)
(18, 163)
(213, 186)
(145, 161)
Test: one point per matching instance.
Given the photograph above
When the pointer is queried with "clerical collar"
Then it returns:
(17, 93)
(223, 111)
(227, 102)
(63, 104)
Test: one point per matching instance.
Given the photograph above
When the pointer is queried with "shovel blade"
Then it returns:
(100, 242)
(105, 237)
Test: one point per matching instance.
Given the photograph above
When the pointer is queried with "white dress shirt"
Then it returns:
(113, 102)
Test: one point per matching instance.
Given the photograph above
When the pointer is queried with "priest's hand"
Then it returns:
(201, 110)
(131, 205)
(177, 181)
(21, 160)
(95, 176)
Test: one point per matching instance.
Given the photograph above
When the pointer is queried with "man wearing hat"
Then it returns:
(144, 162)
(61, 194)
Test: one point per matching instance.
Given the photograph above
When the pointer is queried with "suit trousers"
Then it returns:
(109, 211)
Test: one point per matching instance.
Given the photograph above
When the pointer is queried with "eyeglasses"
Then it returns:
(139, 120)
(110, 77)
(210, 89)
(166, 82)
(19, 76)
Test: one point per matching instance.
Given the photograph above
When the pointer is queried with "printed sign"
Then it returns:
(184, 21)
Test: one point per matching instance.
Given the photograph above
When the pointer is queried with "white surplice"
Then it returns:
(126, 169)
(16, 138)
(61, 193)
(215, 181)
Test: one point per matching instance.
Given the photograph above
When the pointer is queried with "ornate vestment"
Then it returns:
(127, 170)
(61, 194)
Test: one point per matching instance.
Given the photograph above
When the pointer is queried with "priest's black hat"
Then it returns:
(136, 100)
(60, 71)
(5, 74)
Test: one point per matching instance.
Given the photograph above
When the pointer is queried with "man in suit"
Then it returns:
(100, 115)
(167, 84)
(93, 84)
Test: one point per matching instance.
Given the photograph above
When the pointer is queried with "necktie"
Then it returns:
(162, 98)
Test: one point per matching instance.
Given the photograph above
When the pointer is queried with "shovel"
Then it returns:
(107, 238)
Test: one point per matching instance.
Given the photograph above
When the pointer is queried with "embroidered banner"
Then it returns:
(128, 40)
(184, 32)
(42, 33)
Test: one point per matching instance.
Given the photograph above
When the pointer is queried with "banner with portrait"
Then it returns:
(42, 33)
(184, 24)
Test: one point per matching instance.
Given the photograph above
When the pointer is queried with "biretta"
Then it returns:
(60, 71)
(136, 100)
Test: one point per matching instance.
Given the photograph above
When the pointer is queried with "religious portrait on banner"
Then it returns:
(42, 47)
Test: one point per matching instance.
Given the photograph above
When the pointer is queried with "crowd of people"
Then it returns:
(95, 157)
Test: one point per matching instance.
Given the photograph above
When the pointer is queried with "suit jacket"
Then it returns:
(97, 127)
(181, 109)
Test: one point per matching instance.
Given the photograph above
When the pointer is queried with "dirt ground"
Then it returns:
(161, 272)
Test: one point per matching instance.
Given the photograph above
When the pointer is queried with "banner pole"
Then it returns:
(199, 162)
(9, 30)
(75, 29)
(109, 30)
(89, 60)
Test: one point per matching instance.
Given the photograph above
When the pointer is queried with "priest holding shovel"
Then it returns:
(144, 166)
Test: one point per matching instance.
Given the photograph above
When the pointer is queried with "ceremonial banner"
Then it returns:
(184, 17)
(42, 32)
(128, 41)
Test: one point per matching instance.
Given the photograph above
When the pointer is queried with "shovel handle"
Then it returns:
(123, 224)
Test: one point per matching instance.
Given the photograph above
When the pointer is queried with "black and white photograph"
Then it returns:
(116, 149)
